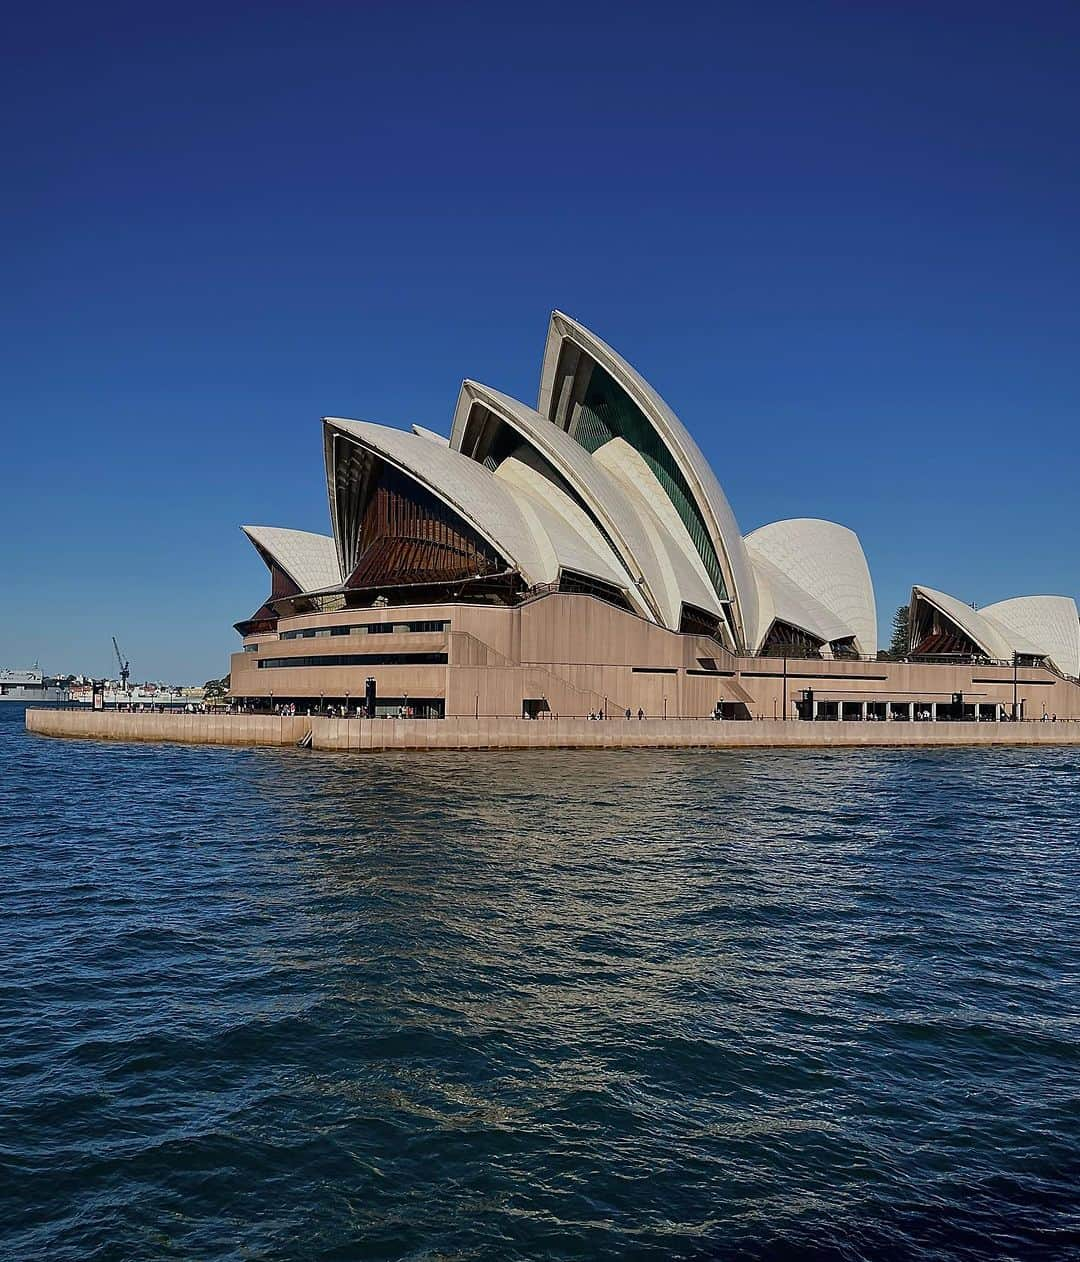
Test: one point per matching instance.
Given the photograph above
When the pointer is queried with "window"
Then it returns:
(357, 659)
(367, 628)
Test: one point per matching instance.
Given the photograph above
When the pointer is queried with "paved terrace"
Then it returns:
(507, 733)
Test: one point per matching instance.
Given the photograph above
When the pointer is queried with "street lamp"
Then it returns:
(346, 703)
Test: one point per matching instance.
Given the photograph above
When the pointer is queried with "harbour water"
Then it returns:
(275, 1004)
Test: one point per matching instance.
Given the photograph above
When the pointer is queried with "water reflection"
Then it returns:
(656, 1004)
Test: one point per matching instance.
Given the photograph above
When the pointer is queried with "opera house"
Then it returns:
(580, 558)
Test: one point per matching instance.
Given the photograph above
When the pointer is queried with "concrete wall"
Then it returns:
(495, 733)
(502, 733)
(192, 729)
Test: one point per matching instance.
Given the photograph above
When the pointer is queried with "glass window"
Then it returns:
(356, 659)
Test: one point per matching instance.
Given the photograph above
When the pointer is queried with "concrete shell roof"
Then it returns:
(825, 561)
(1050, 622)
(310, 560)
(576, 545)
(720, 520)
(782, 598)
(647, 560)
(524, 530)
(682, 574)
(430, 435)
(992, 638)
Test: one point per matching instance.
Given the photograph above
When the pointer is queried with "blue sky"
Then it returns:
(840, 239)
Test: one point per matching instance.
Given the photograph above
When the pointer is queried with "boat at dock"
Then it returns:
(31, 687)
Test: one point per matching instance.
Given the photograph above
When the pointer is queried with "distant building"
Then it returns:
(581, 557)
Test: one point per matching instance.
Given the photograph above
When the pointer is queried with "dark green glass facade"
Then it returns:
(608, 412)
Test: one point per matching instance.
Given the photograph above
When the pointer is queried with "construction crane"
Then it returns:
(125, 672)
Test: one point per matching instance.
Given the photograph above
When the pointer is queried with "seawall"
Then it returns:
(507, 733)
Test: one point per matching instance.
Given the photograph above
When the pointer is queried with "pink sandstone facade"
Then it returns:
(573, 655)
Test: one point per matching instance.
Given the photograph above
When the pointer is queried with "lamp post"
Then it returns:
(665, 707)
(1016, 704)
(346, 703)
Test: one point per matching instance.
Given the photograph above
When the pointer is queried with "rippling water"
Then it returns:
(272, 1004)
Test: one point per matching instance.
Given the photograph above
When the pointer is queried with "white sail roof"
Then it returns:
(782, 599)
(430, 435)
(655, 565)
(310, 560)
(682, 576)
(991, 637)
(711, 501)
(825, 561)
(576, 542)
(1051, 623)
(523, 529)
